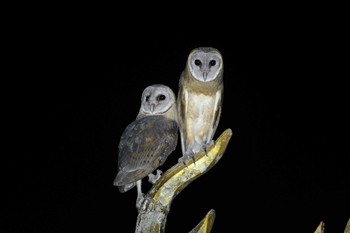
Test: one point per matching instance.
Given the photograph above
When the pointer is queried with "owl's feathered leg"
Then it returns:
(140, 195)
(153, 178)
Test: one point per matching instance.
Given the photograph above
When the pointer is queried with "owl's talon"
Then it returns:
(139, 200)
(182, 160)
(185, 158)
(153, 178)
(194, 161)
(205, 150)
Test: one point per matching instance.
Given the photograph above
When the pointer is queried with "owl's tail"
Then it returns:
(125, 188)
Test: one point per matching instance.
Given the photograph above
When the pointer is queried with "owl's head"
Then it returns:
(205, 64)
(157, 99)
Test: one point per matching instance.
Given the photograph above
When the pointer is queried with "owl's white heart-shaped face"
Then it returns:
(205, 64)
(157, 99)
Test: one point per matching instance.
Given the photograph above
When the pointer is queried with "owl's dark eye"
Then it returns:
(147, 98)
(212, 63)
(197, 62)
(161, 97)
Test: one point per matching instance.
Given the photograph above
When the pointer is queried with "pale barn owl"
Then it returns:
(199, 100)
(146, 142)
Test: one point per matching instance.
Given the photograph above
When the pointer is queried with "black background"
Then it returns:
(283, 170)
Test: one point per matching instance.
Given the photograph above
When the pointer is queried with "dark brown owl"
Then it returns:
(148, 141)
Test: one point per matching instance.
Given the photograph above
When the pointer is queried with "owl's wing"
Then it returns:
(182, 103)
(145, 145)
(217, 110)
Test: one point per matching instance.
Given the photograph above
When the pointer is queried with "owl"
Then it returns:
(199, 100)
(147, 142)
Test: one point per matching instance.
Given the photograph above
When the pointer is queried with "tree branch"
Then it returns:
(154, 210)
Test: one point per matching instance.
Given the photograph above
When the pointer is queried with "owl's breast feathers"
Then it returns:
(191, 87)
(145, 145)
(205, 88)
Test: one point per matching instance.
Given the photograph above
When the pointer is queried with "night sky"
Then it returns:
(283, 170)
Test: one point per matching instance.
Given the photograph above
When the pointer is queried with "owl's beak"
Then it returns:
(152, 107)
(205, 75)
